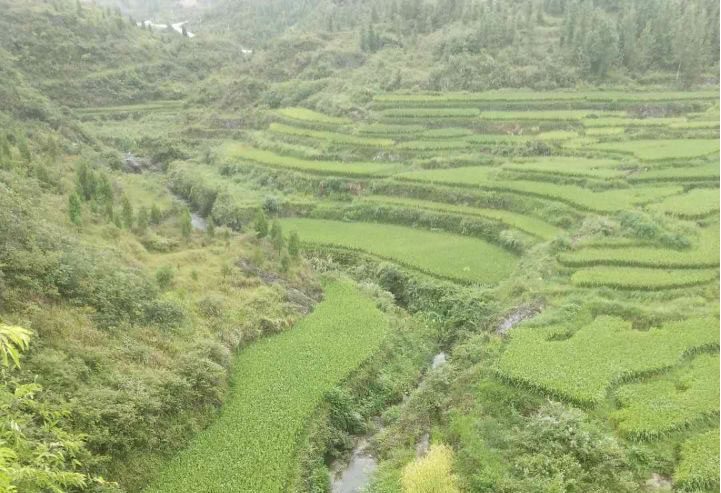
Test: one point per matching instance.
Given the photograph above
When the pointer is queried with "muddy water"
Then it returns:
(356, 475)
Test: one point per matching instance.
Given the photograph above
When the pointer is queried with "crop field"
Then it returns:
(640, 278)
(699, 466)
(606, 214)
(705, 253)
(614, 121)
(674, 401)
(415, 113)
(448, 256)
(306, 115)
(535, 96)
(651, 150)
(278, 383)
(235, 151)
(332, 137)
(562, 115)
(699, 202)
(571, 166)
(433, 145)
(704, 172)
(580, 364)
(527, 224)
(151, 107)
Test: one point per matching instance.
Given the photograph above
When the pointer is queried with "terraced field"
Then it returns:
(279, 382)
(443, 255)
(609, 216)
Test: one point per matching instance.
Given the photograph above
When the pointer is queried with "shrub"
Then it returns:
(164, 313)
(432, 473)
(164, 277)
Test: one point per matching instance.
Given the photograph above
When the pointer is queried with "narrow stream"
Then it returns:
(198, 221)
(356, 475)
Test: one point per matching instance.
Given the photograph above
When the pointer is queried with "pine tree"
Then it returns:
(127, 213)
(142, 222)
(24, 150)
(4, 147)
(186, 224)
(284, 263)
(210, 228)
(261, 225)
(276, 236)
(155, 215)
(294, 245)
(74, 209)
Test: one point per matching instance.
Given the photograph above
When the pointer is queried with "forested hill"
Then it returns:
(354, 47)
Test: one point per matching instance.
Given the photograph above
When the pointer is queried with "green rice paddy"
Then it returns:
(278, 383)
(581, 363)
(440, 254)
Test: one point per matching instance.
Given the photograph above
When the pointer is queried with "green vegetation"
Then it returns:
(605, 201)
(279, 382)
(526, 191)
(576, 166)
(414, 113)
(670, 402)
(444, 255)
(523, 222)
(333, 137)
(651, 150)
(699, 202)
(580, 364)
(704, 254)
(699, 466)
(233, 151)
(539, 115)
(639, 278)
(307, 115)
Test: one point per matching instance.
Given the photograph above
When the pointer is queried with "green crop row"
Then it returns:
(694, 124)
(519, 95)
(558, 115)
(670, 402)
(279, 382)
(485, 139)
(441, 254)
(704, 254)
(614, 121)
(706, 172)
(151, 107)
(640, 278)
(699, 202)
(446, 133)
(580, 365)
(433, 145)
(570, 166)
(555, 135)
(699, 466)
(332, 137)
(604, 201)
(430, 113)
(651, 150)
(603, 131)
(270, 159)
(388, 129)
(527, 224)
(311, 116)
